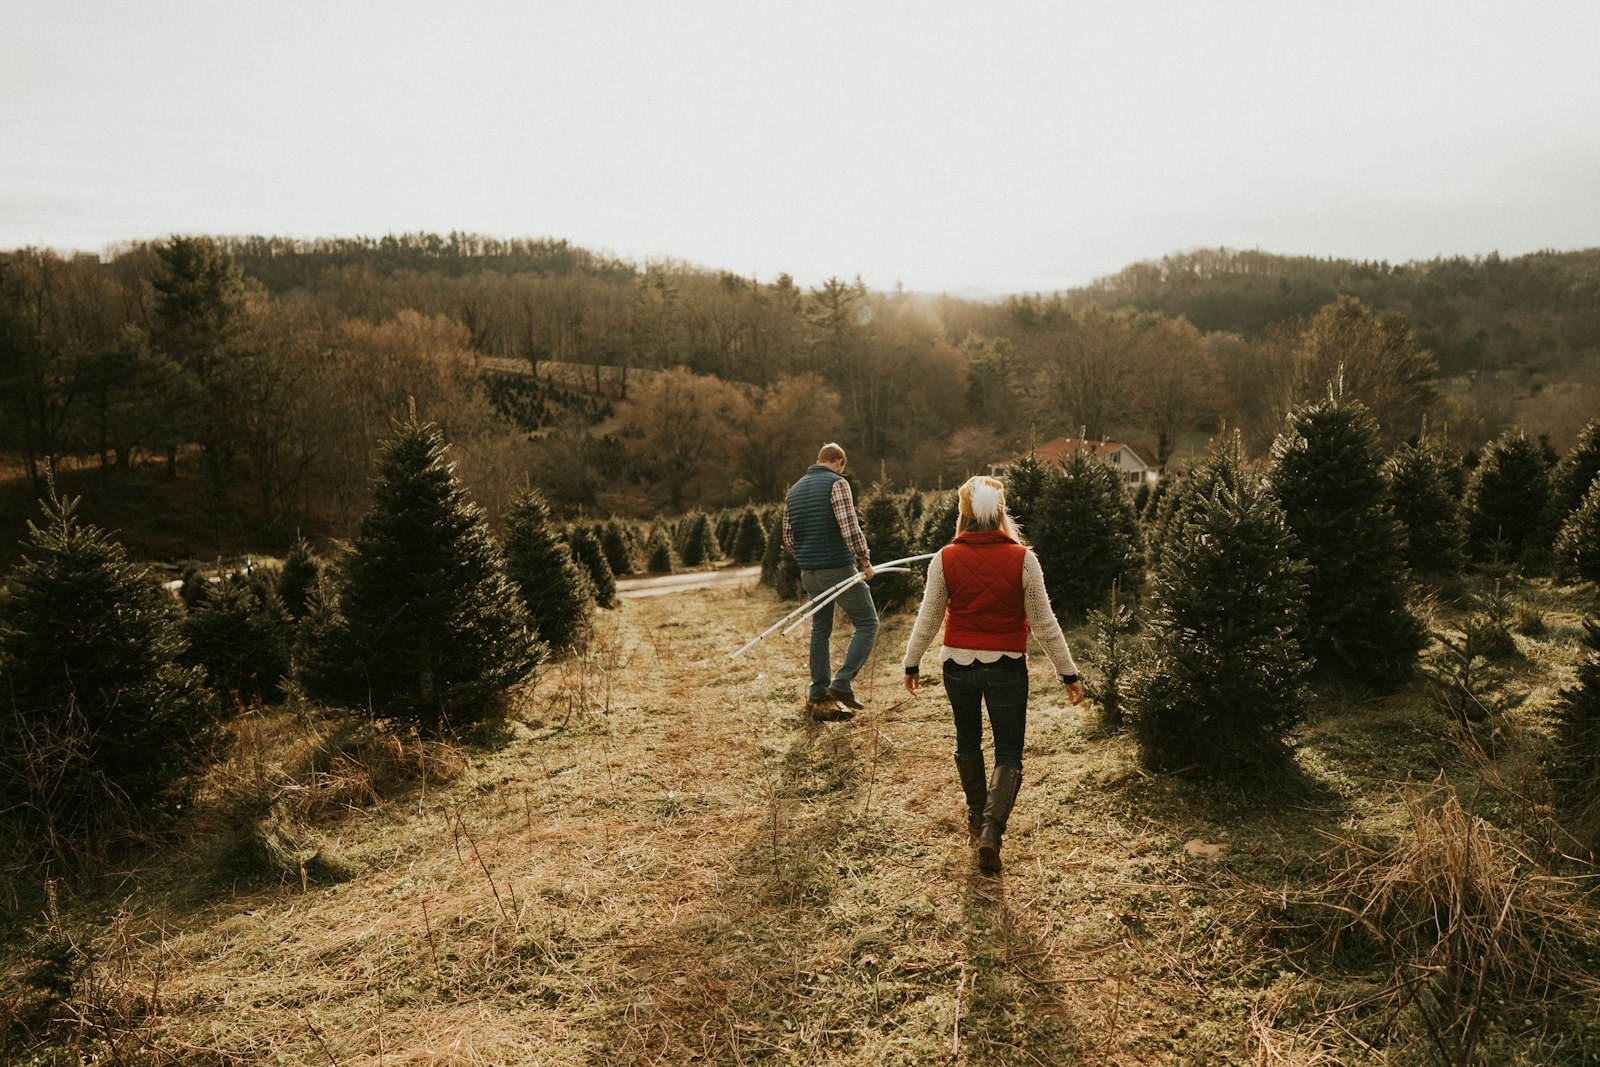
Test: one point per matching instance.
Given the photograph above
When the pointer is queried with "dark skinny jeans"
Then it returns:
(1003, 686)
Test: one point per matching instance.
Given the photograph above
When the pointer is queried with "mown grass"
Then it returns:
(665, 863)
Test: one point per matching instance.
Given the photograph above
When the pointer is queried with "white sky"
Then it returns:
(1005, 146)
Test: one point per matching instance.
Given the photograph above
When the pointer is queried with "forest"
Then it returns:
(259, 373)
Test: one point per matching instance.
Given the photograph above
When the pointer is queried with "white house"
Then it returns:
(1136, 463)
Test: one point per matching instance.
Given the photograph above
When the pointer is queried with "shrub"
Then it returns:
(1226, 674)
(554, 588)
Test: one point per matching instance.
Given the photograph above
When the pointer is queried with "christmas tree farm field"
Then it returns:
(662, 861)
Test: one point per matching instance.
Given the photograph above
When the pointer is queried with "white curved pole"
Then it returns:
(818, 601)
(835, 595)
(758, 638)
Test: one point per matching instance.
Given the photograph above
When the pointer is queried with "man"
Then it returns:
(821, 531)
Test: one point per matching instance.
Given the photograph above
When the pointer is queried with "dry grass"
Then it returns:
(666, 863)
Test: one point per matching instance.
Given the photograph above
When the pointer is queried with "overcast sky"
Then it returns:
(1003, 146)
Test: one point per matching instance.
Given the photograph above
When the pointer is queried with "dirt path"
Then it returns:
(661, 584)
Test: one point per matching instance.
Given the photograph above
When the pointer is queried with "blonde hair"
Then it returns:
(983, 507)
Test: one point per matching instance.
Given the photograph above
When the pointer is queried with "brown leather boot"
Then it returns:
(970, 766)
(1003, 786)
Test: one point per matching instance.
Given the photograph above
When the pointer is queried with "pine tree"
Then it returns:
(1578, 544)
(1506, 496)
(240, 637)
(430, 630)
(1227, 674)
(592, 558)
(660, 556)
(100, 725)
(883, 523)
(1420, 492)
(1327, 474)
(749, 539)
(554, 588)
(298, 577)
(1085, 534)
(1570, 480)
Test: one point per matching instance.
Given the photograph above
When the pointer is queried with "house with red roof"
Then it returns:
(1136, 463)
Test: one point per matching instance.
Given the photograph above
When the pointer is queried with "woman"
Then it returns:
(987, 588)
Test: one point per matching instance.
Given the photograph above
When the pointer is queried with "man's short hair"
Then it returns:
(830, 453)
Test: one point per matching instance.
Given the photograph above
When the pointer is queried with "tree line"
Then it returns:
(268, 369)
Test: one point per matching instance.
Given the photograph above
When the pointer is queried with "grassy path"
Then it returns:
(669, 864)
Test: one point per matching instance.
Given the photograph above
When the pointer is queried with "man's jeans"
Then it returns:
(1005, 690)
(857, 603)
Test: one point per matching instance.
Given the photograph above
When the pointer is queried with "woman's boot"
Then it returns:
(970, 766)
(1003, 786)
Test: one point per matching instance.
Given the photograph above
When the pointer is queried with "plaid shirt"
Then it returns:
(844, 512)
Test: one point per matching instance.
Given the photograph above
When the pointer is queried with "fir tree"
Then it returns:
(1116, 653)
(298, 577)
(1226, 675)
(1578, 544)
(774, 552)
(554, 588)
(1576, 770)
(429, 630)
(660, 556)
(1570, 480)
(100, 724)
(592, 558)
(1506, 496)
(1327, 473)
(1421, 494)
(697, 541)
(1085, 534)
(883, 522)
(1024, 481)
(619, 548)
(749, 539)
(240, 637)
(939, 522)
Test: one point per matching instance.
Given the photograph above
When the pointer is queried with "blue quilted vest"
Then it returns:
(818, 544)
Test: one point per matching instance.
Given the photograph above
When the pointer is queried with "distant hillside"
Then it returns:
(1537, 312)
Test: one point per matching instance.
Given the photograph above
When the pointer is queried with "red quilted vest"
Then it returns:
(983, 571)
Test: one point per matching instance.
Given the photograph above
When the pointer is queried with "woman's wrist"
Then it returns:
(1069, 679)
(914, 669)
